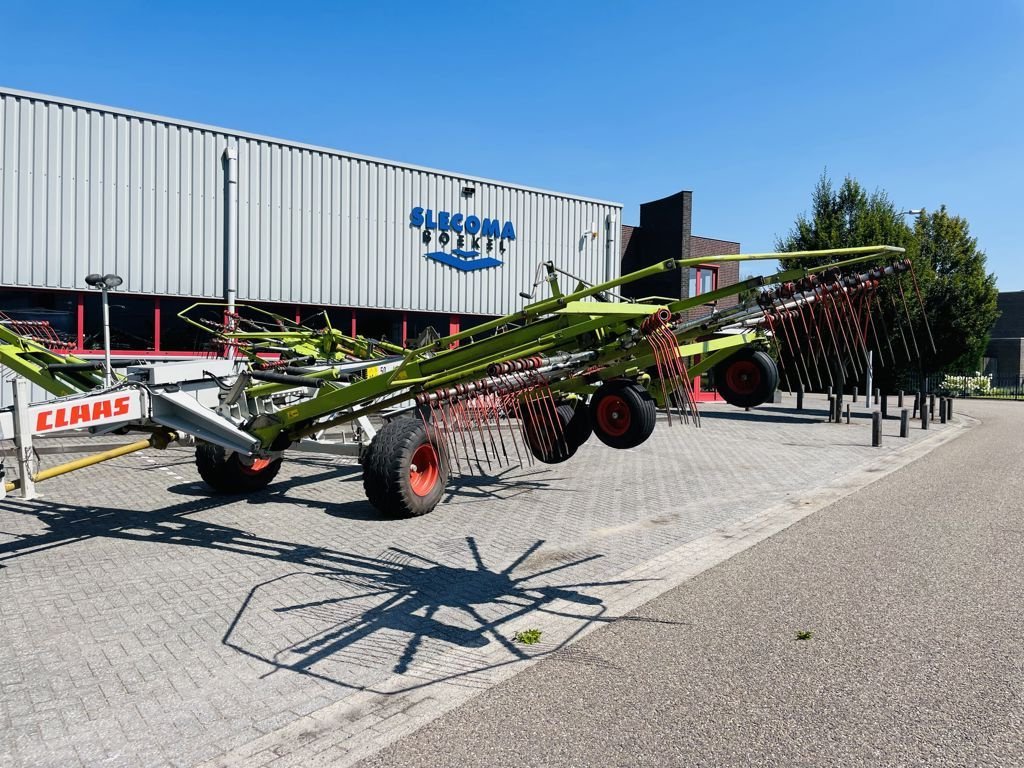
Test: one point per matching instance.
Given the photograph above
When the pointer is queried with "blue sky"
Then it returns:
(745, 103)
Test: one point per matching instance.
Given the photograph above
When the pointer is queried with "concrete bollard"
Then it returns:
(847, 413)
(942, 411)
(876, 429)
(899, 399)
(904, 423)
(878, 394)
(924, 417)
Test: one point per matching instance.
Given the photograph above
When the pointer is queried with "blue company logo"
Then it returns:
(469, 235)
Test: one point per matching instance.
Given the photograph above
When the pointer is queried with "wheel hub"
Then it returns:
(743, 377)
(255, 467)
(613, 415)
(424, 470)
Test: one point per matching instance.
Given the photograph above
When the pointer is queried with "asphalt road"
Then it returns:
(912, 589)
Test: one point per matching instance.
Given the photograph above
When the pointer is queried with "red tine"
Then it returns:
(652, 339)
(460, 420)
(557, 432)
(920, 301)
(474, 418)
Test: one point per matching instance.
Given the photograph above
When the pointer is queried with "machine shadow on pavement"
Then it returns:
(408, 615)
(348, 618)
(68, 523)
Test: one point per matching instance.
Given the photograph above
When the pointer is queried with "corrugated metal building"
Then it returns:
(386, 247)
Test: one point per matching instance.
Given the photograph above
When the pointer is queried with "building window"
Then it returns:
(59, 309)
(419, 322)
(468, 322)
(178, 336)
(703, 279)
(379, 324)
(131, 322)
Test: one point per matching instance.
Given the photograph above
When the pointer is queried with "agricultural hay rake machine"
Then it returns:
(530, 386)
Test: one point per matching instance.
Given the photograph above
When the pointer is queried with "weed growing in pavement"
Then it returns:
(803, 634)
(527, 636)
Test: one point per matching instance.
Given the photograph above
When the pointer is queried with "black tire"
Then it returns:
(227, 472)
(747, 379)
(547, 444)
(578, 430)
(622, 414)
(405, 470)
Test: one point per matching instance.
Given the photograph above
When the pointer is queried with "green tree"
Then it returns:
(845, 218)
(958, 295)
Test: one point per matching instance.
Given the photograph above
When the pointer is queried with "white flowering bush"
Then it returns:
(977, 385)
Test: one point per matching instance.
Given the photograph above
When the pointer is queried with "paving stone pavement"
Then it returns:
(144, 622)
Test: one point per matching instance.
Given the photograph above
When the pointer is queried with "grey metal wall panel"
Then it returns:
(85, 188)
(36, 394)
(323, 229)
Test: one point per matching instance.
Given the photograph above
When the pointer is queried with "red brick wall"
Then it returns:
(627, 236)
(728, 272)
(709, 246)
(664, 233)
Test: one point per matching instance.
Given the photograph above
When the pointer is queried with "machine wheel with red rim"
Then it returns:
(405, 470)
(622, 414)
(748, 378)
(229, 472)
(548, 441)
(578, 430)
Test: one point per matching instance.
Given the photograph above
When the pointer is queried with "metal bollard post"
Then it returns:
(885, 406)
(931, 405)
(942, 411)
(831, 407)
(904, 423)
(915, 405)
(876, 429)
(924, 417)
(855, 394)
(899, 399)
(878, 394)
(847, 413)
(800, 398)
(949, 409)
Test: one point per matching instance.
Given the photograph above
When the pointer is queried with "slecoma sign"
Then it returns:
(470, 237)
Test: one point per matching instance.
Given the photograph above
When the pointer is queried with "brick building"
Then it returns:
(1004, 357)
(664, 232)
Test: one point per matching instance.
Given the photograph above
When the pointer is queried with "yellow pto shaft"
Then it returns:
(158, 439)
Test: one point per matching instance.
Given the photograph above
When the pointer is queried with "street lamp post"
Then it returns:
(105, 283)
